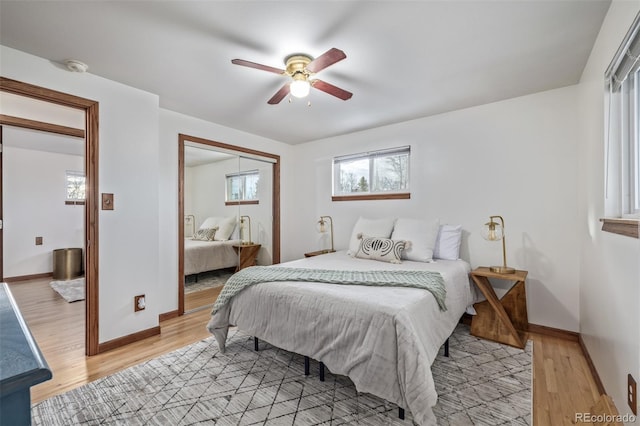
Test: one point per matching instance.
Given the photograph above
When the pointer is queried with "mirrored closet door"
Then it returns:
(227, 213)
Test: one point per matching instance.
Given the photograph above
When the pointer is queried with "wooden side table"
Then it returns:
(318, 253)
(501, 320)
(247, 254)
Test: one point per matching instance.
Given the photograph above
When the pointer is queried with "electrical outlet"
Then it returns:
(38, 241)
(139, 303)
(632, 395)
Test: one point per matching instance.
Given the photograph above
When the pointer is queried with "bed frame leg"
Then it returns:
(401, 413)
(306, 365)
(255, 344)
(446, 348)
(321, 368)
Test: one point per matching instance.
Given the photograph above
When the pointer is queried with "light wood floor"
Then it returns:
(562, 382)
(200, 299)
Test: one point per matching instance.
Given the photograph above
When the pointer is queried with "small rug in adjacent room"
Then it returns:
(206, 280)
(482, 383)
(70, 290)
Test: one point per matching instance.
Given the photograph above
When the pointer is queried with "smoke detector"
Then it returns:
(76, 66)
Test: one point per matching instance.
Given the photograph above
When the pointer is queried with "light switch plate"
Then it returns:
(107, 201)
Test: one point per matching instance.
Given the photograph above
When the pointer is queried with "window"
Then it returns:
(76, 187)
(372, 175)
(242, 188)
(622, 165)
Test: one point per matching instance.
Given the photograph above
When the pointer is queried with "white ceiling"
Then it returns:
(405, 59)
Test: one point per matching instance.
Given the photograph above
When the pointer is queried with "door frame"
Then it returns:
(275, 202)
(91, 111)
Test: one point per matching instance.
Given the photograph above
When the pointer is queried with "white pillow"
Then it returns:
(421, 233)
(210, 222)
(370, 227)
(226, 227)
(448, 242)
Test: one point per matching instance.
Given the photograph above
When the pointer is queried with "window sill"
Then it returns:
(402, 196)
(75, 203)
(241, 203)
(627, 227)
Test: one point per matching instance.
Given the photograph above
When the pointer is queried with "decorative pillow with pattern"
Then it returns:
(205, 234)
(383, 249)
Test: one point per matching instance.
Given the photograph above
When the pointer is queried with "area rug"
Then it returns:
(70, 290)
(206, 280)
(482, 383)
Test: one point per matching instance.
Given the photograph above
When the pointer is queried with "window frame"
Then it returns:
(372, 156)
(243, 176)
(622, 145)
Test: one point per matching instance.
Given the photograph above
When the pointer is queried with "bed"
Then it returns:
(383, 338)
(202, 256)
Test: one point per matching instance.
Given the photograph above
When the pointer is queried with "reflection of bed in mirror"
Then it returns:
(203, 256)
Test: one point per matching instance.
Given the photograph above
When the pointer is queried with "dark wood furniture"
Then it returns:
(247, 254)
(21, 364)
(502, 320)
(318, 253)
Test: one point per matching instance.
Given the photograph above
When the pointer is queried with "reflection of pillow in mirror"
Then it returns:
(371, 227)
(210, 222)
(383, 249)
(205, 234)
(421, 233)
(226, 225)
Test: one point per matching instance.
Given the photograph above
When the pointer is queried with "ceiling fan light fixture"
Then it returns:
(300, 86)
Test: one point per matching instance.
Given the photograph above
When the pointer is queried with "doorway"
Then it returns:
(255, 215)
(90, 134)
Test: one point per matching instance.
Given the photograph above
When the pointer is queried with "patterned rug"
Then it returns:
(70, 290)
(205, 280)
(482, 383)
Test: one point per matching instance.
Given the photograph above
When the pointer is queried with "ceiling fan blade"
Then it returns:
(280, 95)
(257, 66)
(331, 89)
(329, 57)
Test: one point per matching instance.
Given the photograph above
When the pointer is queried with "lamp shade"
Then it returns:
(492, 231)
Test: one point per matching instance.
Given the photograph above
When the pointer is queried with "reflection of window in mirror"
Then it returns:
(242, 186)
(75, 187)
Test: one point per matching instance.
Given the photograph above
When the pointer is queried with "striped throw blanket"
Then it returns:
(427, 280)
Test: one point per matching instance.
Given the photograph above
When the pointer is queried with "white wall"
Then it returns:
(206, 188)
(34, 194)
(516, 158)
(609, 264)
(171, 125)
(128, 146)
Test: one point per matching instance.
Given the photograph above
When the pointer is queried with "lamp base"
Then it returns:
(502, 270)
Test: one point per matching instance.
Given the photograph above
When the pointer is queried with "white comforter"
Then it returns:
(201, 256)
(383, 338)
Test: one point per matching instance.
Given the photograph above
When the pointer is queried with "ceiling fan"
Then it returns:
(301, 68)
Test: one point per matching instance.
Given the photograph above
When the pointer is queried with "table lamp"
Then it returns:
(244, 219)
(323, 221)
(494, 231)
